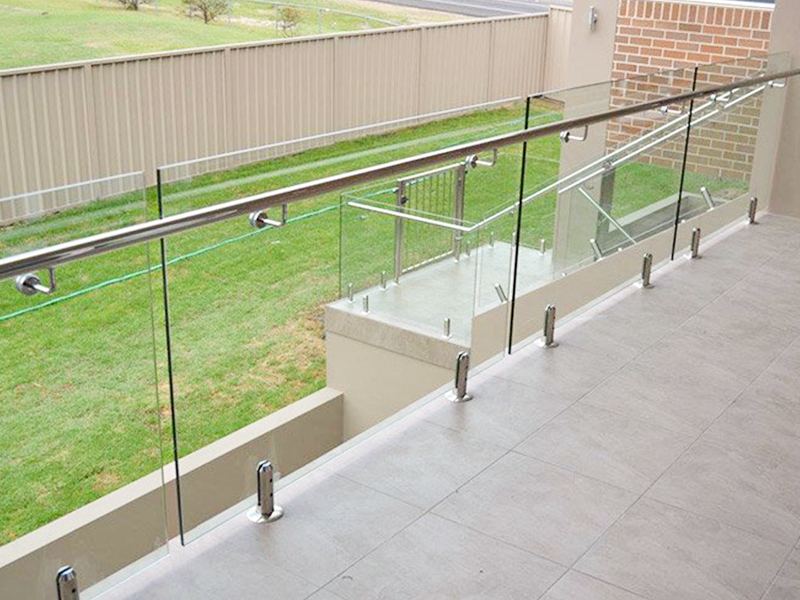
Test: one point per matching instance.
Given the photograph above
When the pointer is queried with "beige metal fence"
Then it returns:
(66, 123)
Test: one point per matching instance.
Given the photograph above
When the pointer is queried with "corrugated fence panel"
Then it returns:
(559, 26)
(518, 57)
(377, 77)
(281, 92)
(43, 135)
(68, 123)
(455, 65)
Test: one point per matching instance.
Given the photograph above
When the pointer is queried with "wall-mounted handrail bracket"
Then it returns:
(777, 83)
(474, 160)
(568, 136)
(30, 284)
(259, 219)
(668, 110)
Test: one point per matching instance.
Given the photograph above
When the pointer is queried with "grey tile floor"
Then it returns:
(654, 455)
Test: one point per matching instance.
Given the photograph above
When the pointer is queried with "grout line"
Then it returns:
(682, 454)
(587, 575)
(642, 495)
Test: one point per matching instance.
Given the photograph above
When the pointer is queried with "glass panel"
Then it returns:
(724, 136)
(273, 300)
(80, 416)
(731, 132)
(594, 191)
(246, 323)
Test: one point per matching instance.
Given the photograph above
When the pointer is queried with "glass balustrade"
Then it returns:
(82, 421)
(460, 256)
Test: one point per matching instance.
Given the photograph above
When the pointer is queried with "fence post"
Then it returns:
(458, 205)
(400, 201)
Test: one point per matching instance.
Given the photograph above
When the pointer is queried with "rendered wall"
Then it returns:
(784, 198)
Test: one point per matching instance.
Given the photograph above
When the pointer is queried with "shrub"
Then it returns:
(288, 19)
(131, 4)
(208, 9)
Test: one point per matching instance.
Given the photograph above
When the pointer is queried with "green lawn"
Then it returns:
(37, 32)
(80, 416)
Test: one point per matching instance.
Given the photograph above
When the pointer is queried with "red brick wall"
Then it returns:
(655, 36)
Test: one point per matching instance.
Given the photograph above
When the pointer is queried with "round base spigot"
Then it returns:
(256, 516)
(543, 344)
(453, 397)
(644, 286)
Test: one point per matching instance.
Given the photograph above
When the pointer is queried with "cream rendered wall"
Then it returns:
(378, 382)
(591, 54)
(784, 198)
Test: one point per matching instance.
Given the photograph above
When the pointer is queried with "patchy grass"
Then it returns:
(37, 32)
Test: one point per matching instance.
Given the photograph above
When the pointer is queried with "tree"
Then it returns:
(208, 9)
(131, 4)
(288, 18)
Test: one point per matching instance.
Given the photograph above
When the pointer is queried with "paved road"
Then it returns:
(482, 8)
(494, 8)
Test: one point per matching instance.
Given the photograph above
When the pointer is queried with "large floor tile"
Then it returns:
(665, 553)
(330, 523)
(763, 421)
(746, 321)
(739, 358)
(549, 511)
(707, 278)
(204, 571)
(418, 462)
(787, 585)
(670, 387)
(157, 583)
(566, 371)
(324, 594)
(436, 559)
(607, 446)
(739, 487)
(577, 586)
(502, 412)
(616, 333)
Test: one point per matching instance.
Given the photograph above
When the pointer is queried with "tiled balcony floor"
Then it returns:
(655, 454)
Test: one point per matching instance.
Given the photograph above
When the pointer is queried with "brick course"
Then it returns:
(653, 36)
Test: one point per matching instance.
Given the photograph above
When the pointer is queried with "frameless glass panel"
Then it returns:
(80, 416)
(598, 190)
(246, 330)
(727, 132)
(266, 295)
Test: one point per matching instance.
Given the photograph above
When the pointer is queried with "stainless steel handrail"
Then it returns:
(152, 230)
